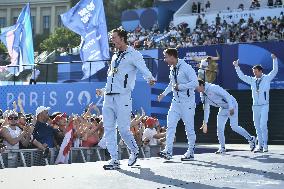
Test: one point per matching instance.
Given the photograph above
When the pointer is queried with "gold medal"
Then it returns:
(115, 70)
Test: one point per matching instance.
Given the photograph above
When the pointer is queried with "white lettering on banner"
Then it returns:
(85, 13)
(94, 56)
(99, 103)
(190, 55)
(99, 37)
(85, 94)
(69, 96)
(43, 98)
(22, 97)
(10, 98)
(89, 44)
(53, 100)
(33, 99)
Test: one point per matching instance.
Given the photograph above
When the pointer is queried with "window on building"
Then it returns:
(2, 22)
(59, 21)
(46, 24)
(15, 20)
(33, 23)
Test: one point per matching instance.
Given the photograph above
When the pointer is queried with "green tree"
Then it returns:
(60, 38)
(2, 48)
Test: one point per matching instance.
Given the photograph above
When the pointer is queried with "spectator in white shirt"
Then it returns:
(151, 136)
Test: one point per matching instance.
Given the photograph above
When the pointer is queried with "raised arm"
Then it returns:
(274, 71)
(242, 76)
(216, 57)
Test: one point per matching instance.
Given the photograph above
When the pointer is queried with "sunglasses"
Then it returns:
(13, 118)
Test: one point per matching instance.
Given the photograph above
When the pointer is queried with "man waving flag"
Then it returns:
(87, 18)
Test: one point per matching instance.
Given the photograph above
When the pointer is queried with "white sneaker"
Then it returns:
(252, 143)
(165, 155)
(221, 151)
(133, 158)
(188, 156)
(112, 165)
(258, 150)
(265, 149)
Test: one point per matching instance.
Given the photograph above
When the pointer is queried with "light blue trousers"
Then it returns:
(260, 118)
(178, 111)
(116, 112)
(222, 118)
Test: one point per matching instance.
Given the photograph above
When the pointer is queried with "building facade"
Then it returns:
(45, 14)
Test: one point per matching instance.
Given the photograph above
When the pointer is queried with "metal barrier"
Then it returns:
(34, 157)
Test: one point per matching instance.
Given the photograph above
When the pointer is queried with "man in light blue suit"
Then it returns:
(214, 95)
(183, 81)
(260, 86)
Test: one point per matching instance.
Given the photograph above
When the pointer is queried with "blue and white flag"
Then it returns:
(87, 18)
(19, 41)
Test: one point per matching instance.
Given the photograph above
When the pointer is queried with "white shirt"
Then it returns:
(149, 134)
(14, 134)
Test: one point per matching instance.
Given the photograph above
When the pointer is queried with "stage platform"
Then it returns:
(238, 168)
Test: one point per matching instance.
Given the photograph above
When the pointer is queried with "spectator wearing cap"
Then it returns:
(43, 132)
(151, 136)
(59, 123)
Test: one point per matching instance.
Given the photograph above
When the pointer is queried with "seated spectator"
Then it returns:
(194, 8)
(44, 132)
(270, 3)
(207, 5)
(218, 20)
(278, 3)
(241, 7)
(198, 20)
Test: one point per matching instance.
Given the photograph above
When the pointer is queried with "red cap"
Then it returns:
(151, 121)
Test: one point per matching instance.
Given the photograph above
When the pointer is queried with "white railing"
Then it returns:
(34, 157)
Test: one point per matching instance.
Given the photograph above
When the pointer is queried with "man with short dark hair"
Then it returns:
(183, 81)
(117, 105)
(214, 95)
(260, 86)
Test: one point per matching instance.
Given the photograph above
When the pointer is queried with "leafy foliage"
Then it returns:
(61, 38)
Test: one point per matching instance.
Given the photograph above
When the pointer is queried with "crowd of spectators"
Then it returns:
(217, 32)
(44, 131)
(198, 7)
